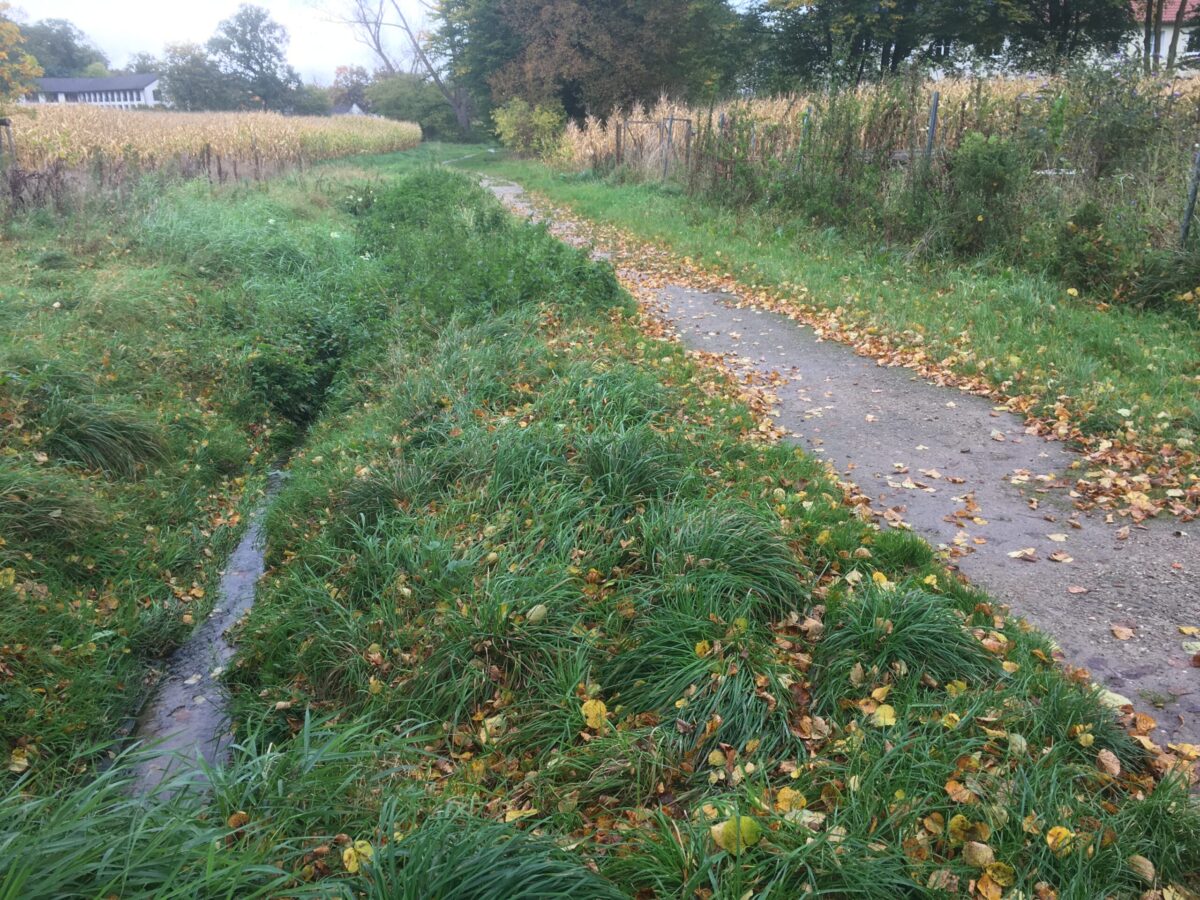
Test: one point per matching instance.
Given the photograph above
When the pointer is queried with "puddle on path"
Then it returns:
(186, 718)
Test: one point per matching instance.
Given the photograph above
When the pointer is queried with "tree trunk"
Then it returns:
(457, 100)
(1173, 49)
(1148, 37)
(1158, 35)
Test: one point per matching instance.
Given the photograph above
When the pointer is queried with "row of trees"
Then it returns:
(592, 55)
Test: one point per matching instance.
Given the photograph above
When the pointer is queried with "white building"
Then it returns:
(120, 91)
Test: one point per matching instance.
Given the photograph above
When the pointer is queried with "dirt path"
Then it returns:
(969, 479)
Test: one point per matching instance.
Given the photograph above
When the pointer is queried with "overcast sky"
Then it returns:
(123, 27)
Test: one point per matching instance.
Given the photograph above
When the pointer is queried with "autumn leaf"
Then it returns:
(884, 716)
(1059, 840)
(703, 648)
(1121, 632)
(958, 792)
(1108, 762)
(1001, 873)
(1143, 867)
(595, 714)
(514, 815)
(788, 800)
(237, 820)
(355, 855)
(977, 855)
(736, 834)
(18, 760)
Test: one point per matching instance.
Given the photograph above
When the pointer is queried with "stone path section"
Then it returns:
(968, 478)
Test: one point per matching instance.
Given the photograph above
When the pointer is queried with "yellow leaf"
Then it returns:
(788, 799)
(931, 580)
(703, 648)
(717, 759)
(1059, 839)
(1001, 873)
(18, 760)
(736, 834)
(884, 716)
(1010, 667)
(356, 854)
(881, 693)
(954, 688)
(374, 685)
(951, 720)
(882, 581)
(513, 815)
(595, 714)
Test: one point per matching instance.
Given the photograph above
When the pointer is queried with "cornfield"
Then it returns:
(222, 145)
(891, 118)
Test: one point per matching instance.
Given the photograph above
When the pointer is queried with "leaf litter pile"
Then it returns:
(550, 611)
(1134, 471)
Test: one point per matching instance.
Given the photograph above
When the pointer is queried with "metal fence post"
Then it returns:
(933, 121)
(667, 153)
(1186, 226)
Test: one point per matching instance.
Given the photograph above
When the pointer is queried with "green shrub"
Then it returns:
(529, 130)
(985, 175)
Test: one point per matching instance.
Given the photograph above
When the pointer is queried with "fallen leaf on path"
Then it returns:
(998, 435)
(1121, 633)
(1189, 629)
(1029, 554)
(1061, 557)
(1077, 589)
(1057, 538)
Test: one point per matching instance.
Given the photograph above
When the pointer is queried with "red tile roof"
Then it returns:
(1170, 10)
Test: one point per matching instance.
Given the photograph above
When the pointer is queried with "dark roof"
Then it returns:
(111, 83)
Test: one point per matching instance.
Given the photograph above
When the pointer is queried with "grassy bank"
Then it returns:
(1130, 377)
(546, 616)
(152, 362)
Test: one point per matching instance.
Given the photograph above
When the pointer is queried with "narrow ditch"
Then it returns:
(186, 719)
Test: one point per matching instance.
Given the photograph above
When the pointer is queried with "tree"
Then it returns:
(372, 19)
(311, 100)
(852, 40)
(193, 81)
(411, 98)
(18, 68)
(143, 64)
(350, 85)
(251, 47)
(591, 56)
(61, 49)
(1050, 32)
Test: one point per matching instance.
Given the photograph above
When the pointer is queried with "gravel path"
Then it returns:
(969, 479)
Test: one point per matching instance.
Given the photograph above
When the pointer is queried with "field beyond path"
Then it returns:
(967, 476)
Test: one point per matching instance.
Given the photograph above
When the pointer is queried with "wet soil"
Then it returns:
(186, 719)
(968, 478)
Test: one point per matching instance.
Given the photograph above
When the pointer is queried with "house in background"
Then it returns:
(120, 91)
(1189, 35)
(347, 109)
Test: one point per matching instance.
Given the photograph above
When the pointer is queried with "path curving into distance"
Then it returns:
(967, 477)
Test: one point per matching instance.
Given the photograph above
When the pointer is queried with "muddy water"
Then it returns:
(186, 719)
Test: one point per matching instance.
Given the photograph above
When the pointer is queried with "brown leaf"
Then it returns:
(1077, 589)
(977, 854)
(1108, 762)
(1121, 632)
(1143, 867)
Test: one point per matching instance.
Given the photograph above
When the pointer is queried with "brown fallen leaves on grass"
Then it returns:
(1130, 475)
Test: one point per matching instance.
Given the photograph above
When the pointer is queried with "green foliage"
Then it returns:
(251, 47)
(60, 48)
(411, 98)
(985, 177)
(529, 130)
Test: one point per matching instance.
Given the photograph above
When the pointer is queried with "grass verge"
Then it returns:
(1122, 383)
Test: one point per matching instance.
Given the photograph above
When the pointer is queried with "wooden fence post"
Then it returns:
(1186, 226)
(618, 125)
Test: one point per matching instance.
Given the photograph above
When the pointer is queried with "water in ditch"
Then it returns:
(186, 719)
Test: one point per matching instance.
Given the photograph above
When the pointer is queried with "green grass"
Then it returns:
(540, 612)
(1012, 328)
